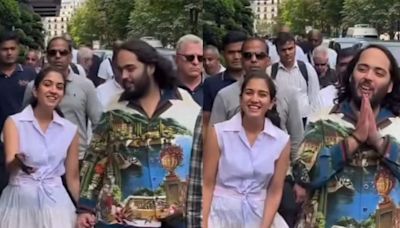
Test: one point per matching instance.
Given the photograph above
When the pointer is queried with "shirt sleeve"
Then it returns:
(294, 125)
(27, 95)
(324, 160)
(94, 166)
(103, 70)
(313, 88)
(94, 108)
(219, 112)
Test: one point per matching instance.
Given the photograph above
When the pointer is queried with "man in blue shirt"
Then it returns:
(13, 80)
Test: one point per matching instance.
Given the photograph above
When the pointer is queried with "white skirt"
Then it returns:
(31, 207)
(235, 213)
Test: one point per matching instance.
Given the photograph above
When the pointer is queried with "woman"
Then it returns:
(245, 162)
(40, 146)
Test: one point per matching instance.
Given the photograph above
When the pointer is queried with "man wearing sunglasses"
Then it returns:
(255, 58)
(189, 63)
(326, 75)
(80, 103)
(13, 80)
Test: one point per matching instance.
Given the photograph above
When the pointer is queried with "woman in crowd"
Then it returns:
(40, 146)
(245, 162)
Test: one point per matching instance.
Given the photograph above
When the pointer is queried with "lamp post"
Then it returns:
(194, 16)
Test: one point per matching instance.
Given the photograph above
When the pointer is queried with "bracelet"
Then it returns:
(356, 138)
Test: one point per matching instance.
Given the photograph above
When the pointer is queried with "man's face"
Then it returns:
(211, 62)
(315, 40)
(135, 75)
(233, 56)
(321, 65)
(371, 77)
(9, 51)
(58, 54)
(254, 56)
(32, 59)
(341, 66)
(287, 52)
(189, 60)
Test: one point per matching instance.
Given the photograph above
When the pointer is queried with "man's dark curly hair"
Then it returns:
(392, 99)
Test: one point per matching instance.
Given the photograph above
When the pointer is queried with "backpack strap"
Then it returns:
(303, 70)
(74, 68)
(274, 70)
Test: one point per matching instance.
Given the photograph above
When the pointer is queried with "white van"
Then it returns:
(362, 31)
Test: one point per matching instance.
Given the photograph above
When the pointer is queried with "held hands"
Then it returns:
(366, 130)
(86, 220)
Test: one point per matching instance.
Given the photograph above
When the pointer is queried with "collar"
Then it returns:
(199, 86)
(226, 76)
(166, 95)
(345, 108)
(281, 66)
(18, 68)
(28, 115)
(236, 126)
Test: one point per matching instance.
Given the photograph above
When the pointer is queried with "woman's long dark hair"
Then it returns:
(391, 100)
(271, 114)
(39, 78)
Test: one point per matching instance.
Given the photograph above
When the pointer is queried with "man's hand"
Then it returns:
(20, 159)
(300, 193)
(374, 137)
(86, 220)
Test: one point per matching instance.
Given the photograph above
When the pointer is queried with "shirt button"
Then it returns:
(366, 186)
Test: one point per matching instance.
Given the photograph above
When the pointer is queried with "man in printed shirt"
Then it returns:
(350, 155)
(136, 170)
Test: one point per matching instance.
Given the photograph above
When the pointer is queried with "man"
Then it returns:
(274, 52)
(349, 158)
(227, 104)
(141, 147)
(189, 63)
(13, 80)
(212, 64)
(314, 38)
(32, 59)
(107, 91)
(80, 103)
(232, 45)
(326, 75)
(74, 66)
(300, 75)
(343, 59)
(85, 58)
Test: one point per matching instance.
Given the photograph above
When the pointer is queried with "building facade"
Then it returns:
(265, 12)
(57, 26)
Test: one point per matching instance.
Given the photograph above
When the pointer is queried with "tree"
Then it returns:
(221, 16)
(103, 20)
(381, 14)
(20, 18)
(165, 20)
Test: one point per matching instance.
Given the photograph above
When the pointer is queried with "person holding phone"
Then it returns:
(40, 147)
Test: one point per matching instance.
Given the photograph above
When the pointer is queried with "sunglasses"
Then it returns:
(54, 52)
(190, 58)
(320, 64)
(249, 55)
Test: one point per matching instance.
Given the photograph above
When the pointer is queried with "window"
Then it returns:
(49, 26)
(56, 33)
(272, 1)
(265, 9)
(62, 19)
(55, 26)
(258, 9)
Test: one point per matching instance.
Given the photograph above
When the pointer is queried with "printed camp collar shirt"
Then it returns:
(358, 191)
(136, 170)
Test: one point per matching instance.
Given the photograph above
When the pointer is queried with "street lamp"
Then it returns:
(194, 16)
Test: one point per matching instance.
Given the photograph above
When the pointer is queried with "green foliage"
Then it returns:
(102, 20)
(221, 16)
(165, 20)
(27, 24)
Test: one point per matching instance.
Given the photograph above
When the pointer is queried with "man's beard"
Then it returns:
(140, 88)
(375, 99)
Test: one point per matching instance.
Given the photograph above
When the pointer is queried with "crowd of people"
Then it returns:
(251, 134)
